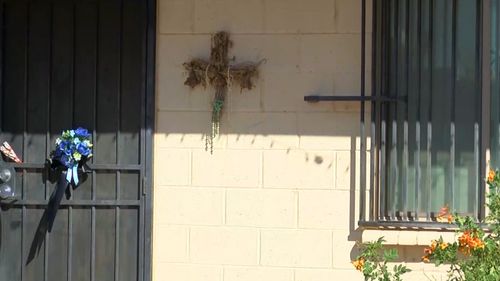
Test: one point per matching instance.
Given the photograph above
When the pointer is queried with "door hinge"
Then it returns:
(143, 186)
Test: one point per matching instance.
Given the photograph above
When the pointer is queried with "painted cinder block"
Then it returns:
(329, 131)
(391, 237)
(345, 249)
(221, 245)
(244, 100)
(425, 238)
(176, 16)
(189, 206)
(257, 273)
(236, 16)
(419, 275)
(330, 53)
(181, 129)
(348, 16)
(327, 209)
(345, 175)
(227, 168)
(301, 153)
(187, 272)
(273, 56)
(285, 91)
(327, 275)
(349, 83)
(295, 16)
(262, 130)
(281, 52)
(349, 169)
(173, 173)
(296, 248)
(173, 95)
(175, 49)
(301, 169)
(261, 208)
(407, 238)
(171, 243)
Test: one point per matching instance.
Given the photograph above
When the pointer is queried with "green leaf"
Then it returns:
(390, 255)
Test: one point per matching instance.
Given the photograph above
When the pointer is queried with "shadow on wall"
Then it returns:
(310, 147)
(306, 137)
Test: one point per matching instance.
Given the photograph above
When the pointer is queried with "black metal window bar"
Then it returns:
(429, 120)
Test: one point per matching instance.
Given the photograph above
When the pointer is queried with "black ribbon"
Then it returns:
(56, 172)
(55, 199)
(63, 186)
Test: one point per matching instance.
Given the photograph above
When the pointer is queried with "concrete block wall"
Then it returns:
(276, 200)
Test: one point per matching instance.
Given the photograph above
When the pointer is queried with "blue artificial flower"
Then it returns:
(83, 133)
(66, 160)
(83, 149)
(63, 145)
(58, 153)
(71, 146)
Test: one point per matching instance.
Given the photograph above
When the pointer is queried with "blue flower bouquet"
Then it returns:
(73, 149)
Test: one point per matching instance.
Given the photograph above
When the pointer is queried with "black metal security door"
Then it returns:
(76, 63)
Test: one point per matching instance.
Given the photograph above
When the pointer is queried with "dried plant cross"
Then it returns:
(220, 74)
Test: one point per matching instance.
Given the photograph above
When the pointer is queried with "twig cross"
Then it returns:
(220, 74)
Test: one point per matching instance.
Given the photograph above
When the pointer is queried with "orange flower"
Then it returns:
(468, 242)
(359, 264)
(480, 244)
(491, 176)
(464, 250)
(444, 214)
(450, 218)
(445, 210)
(477, 243)
(464, 242)
(443, 245)
(425, 259)
(433, 245)
(464, 239)
(428, 251)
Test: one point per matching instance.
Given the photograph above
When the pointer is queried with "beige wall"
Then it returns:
(275, 202)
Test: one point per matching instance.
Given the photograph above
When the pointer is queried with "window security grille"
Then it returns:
(431, 121)
(429, 55)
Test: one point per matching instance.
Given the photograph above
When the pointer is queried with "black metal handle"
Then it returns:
(314, 98)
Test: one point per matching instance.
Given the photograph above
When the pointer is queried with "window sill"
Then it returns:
(407, 237)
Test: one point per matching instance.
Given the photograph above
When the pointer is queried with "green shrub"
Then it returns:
(372, 262)
(474, 256)
(476, 253)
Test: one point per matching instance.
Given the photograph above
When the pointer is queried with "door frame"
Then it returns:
(149, 128)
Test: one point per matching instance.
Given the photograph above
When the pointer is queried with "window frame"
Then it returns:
(370, 211)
